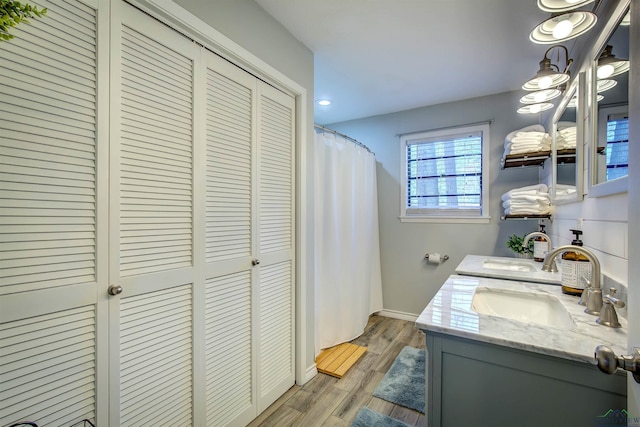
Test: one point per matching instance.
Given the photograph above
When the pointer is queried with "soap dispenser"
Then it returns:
(540, 246)
(575, 266)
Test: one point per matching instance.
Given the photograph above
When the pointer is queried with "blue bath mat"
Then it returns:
(404, 383)
(369, 418)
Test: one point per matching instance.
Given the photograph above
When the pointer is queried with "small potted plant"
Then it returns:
(515, 244)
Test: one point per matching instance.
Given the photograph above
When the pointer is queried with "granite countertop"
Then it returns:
(473, 265)
(449, 312)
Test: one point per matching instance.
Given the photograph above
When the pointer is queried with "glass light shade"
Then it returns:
(605, 84)
(609, 65)
(540, 96)
(563, 27)
(535, 108)
(561, 5)
(546, 79)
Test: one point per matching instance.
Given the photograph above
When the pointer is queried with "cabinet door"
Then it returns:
(151, 221)
(230, 244)
(52, 233)
(276, 208)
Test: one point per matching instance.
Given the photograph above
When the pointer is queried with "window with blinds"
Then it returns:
(443, 173)
(617, 146)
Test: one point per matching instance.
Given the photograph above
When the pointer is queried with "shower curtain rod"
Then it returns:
(324, 129)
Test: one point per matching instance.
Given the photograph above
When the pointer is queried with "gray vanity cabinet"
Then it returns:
(471, 383)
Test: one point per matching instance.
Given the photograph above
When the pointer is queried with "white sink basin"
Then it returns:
(509, 265)
(528, 307)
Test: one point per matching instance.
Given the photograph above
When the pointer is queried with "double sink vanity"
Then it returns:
(506, 347)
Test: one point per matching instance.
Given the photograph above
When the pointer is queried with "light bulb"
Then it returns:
(535, 108)
(605, 71)
(540, 96)
(562, 29)
(324, 102)
(545, 82)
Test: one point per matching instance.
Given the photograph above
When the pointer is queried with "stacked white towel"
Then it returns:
(566, 138)
(530, 200)
(529, 139)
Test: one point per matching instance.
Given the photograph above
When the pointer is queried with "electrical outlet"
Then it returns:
(579, 223)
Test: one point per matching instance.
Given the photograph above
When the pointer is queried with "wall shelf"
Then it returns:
(525, 159)
(524, 216)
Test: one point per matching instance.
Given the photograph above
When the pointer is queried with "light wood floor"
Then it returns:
(330, 402)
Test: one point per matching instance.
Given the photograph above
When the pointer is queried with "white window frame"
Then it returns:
(449, 215)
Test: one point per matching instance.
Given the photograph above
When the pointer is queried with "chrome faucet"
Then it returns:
(594, 301)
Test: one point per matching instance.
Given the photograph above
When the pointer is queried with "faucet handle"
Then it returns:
(615, 301)
(584, 297)
(608, 315)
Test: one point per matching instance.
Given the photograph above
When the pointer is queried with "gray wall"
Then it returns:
(248, 25)
(408, 282)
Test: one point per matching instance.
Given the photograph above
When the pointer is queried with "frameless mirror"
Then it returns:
(610, 87)
(567, 146)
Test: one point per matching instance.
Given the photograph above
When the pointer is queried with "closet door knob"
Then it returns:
(114, 290)
(255, 261)
(608, 362)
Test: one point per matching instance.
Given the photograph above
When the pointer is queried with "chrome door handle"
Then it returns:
(608, 362)
(115, 290)
(255, 261)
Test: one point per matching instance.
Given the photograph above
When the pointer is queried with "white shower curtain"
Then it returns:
(348, 286)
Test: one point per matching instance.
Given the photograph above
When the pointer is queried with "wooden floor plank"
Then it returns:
(329, 401)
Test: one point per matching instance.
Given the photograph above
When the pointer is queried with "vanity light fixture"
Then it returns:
(561, 5)
(605, 84)
(540, 96)
(549, 75)
(609, 65)
(535, 108)
(563, 27)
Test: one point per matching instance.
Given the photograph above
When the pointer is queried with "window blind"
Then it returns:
(445, 174)
(617, 146)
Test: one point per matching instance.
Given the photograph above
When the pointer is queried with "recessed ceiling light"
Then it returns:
(323, 102)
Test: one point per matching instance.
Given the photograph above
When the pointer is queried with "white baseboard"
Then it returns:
(311, 372)
(398, 315)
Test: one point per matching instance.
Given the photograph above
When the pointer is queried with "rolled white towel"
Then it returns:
(531, 128)
(528, 211)
(530, 198)
(527, 190)
(525, 150)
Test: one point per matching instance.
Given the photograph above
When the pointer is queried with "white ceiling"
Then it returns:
(378, 56)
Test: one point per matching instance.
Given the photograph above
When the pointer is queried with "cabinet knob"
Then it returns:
(115, 290)
(255, 261)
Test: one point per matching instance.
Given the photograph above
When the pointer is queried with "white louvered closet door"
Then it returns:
(152, 221)
(275, 234)
(249, 240)
(230, 243)
(52, 182)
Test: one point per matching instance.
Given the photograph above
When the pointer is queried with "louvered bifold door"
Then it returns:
(152, 221)
(230, 242)
(49, 234)
(276, 208)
